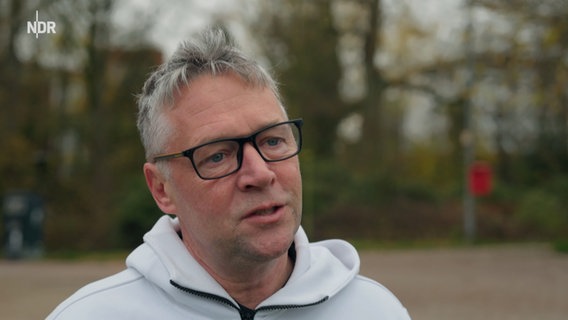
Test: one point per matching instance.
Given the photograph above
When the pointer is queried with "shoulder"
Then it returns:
(371, 288)
(371, 297)
(96, 300)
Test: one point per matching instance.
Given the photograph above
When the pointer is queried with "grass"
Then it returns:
(561, 246)
(74, 255)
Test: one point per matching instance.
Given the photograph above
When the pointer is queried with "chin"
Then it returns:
(271, 247)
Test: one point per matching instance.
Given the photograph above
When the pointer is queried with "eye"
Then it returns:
(215, 154)
(216, 158)
(272, 142)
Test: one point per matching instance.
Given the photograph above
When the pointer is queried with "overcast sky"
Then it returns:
(442, 19)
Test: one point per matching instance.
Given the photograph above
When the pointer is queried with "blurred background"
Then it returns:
(426, 121)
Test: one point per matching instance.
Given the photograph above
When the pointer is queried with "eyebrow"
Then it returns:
(229, 137)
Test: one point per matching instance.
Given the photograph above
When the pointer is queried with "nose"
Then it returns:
(255, 173)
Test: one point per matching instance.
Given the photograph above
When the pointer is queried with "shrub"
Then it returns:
(543, 212)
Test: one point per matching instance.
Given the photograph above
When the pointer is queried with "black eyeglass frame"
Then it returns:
(241, 141)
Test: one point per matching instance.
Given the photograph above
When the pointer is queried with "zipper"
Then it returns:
(246, 314)
(291, 306)
(205, 295)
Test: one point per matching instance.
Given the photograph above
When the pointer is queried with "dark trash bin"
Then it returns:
(23, 214)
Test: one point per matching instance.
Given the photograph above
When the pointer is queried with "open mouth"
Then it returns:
(265, 211)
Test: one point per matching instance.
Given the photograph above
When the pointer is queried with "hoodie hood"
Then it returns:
(321, 269)
(163, 281)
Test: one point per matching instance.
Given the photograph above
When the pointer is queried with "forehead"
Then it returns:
(222, 106)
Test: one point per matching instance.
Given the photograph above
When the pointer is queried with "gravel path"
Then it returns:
(503, 282)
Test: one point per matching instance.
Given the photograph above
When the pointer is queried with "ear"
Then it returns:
(159, 187)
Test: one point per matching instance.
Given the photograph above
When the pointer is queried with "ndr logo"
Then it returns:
(42, 27)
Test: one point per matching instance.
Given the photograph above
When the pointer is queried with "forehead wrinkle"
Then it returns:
(197, 99)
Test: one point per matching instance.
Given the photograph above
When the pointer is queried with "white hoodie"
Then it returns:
(163, 281)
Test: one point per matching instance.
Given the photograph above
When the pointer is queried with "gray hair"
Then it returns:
(211, 53)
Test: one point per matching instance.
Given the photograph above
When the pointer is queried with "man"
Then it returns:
(222, 158)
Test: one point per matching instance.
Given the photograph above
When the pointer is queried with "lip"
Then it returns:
(264, 214)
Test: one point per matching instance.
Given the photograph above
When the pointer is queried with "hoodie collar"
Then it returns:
(321, 269)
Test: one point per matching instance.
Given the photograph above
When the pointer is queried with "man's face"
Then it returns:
(251, 214)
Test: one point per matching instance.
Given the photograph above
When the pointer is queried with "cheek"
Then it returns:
(186, 192)
(199, 214)
(292, 175)
(291, 179)
(202, 202)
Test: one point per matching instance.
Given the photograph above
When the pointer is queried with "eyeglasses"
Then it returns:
(220, 158)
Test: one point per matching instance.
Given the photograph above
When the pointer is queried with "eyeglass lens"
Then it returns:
(221, 158)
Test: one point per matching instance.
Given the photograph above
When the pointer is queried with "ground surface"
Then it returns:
(504, 282)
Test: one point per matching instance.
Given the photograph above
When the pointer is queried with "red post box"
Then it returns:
(480, 179)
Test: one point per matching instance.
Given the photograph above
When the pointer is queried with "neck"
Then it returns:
(249, 282)
(255, 286)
